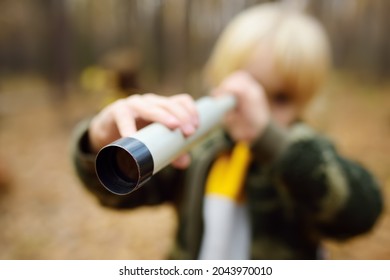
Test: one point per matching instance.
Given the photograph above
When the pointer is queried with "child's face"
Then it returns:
(283, 107)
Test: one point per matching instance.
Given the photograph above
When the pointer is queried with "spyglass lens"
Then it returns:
(125, 166)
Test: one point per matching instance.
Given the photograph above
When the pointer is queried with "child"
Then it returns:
(297, 190)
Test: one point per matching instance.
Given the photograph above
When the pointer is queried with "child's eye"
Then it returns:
(281, 98)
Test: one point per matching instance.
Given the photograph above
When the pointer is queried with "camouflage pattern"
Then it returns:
(298, 188)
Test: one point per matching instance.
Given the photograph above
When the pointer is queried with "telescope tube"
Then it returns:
(126, 164)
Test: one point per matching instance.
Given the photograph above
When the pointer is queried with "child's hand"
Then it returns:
(251, 115)
(125, 116)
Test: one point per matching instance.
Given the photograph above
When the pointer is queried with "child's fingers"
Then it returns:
(176, 112)
(150, 111)
(180, 109)
(124, 119)
(182, 162)
(187, 102)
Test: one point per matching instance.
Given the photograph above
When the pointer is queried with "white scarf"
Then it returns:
(226, 221)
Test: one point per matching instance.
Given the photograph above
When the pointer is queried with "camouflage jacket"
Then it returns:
(299, 191)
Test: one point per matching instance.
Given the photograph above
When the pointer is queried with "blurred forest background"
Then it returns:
(62, 60)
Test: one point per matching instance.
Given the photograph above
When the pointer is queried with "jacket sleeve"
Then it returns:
(162, 187)
(336, 196)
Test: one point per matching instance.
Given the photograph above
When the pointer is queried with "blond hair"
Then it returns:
(301, 52)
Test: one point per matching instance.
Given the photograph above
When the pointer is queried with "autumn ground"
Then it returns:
(46, 214)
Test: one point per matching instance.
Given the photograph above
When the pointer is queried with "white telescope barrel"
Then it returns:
(126, 164)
